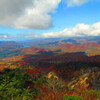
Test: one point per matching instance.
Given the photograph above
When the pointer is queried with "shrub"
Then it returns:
(73, 97)
(91, 95)
(13, 86)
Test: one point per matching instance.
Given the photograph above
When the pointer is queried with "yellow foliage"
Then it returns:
(1, 63)
(51, 74)
(83, 81)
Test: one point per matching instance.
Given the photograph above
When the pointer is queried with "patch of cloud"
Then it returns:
(78, 30)
(3, 36)
(75, 2)
(31, 14)
(19, 37)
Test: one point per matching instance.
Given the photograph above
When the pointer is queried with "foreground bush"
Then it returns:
(13, 86)
(91, 95)
(72, 97)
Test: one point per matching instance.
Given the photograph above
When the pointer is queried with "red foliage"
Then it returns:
(33, 71)
(51, 68)
(71, 93)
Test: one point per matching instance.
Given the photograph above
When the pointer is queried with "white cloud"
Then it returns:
(27, 13)
(78, 30)
(30, 14)
(3, 36)
(75, 2)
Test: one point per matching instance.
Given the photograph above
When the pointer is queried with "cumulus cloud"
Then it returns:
(78, 30)
(75, 2)
(20, 36)
(32, 14)
(4, 37)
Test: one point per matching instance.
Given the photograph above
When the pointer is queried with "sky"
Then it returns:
(30, 19)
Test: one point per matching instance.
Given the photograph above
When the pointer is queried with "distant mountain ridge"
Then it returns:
(52, 42)
(84, 45)
(9, 48)
(10, 45)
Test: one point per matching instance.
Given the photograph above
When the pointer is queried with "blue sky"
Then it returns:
(61, 19)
